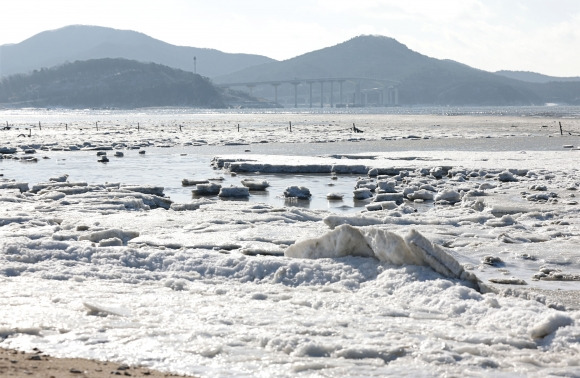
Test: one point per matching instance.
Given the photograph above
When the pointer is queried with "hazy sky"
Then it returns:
(531, 35)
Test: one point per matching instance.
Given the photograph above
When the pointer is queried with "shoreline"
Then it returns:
(19, 364)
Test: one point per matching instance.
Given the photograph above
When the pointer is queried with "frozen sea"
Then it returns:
(454, 250)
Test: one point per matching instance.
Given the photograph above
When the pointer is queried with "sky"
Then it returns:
(527, 35)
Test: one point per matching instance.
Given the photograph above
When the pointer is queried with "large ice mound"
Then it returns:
(387, 246)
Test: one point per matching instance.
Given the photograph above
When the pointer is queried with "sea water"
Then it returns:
(168, 167)
(169, 159)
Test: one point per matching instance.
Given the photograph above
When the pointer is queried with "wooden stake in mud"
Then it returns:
(179, 127)
(238, 127)
(97, 125)
(39, 126)
(290, 126)
(66, 126)
(356, 129)
(30, 132)
(137, 126)
(561, 133)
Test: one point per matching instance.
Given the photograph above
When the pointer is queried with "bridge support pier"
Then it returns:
(332, 94)
(275, 85)
(392, 96)
(321, 94)
(295, 84)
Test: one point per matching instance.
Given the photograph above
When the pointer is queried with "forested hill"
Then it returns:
(117, 83)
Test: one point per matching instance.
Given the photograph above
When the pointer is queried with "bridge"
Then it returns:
(365, 91)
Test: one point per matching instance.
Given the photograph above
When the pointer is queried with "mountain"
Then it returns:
(420, 80)
(80, 42)
(533, 77)
(117, 83)
(370, 68)
(363, 56)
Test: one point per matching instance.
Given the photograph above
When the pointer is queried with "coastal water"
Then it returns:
(33, 115)
(180, 143)
(168, 167)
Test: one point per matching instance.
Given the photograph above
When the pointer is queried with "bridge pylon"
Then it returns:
(295, 83)
(276, 85)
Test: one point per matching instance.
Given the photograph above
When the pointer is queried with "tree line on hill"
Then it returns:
(113, 83)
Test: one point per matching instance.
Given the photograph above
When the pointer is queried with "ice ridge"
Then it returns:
(386, 246)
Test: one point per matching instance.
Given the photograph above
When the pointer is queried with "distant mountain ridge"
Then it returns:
(362, 56)
(81, 42)
(533, 77)
(420, 80)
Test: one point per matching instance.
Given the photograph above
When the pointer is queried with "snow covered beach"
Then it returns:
(463, 260)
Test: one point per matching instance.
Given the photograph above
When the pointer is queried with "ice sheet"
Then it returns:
(103, 270)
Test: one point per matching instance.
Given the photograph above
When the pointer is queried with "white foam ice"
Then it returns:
(234, 192)
(253, 184)
(386, 246)
(484, 282)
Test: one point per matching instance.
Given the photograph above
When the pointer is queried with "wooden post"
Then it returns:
(40, 126)
(353, 127)
(30, 132)
(137, 126)
(66, 126)
(561, 133)
(97, 125)
(179, 127)
(238, 127)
